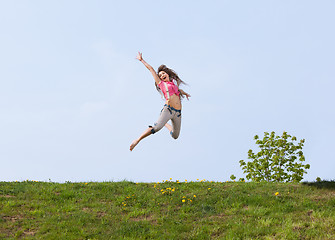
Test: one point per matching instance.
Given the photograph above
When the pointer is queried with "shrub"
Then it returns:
(279, 159)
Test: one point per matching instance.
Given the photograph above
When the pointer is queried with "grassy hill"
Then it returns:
(167, 210)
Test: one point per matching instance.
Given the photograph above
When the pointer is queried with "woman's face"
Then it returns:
(164, 76)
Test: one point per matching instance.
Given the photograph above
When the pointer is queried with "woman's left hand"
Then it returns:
(184, 93)
(187, 96)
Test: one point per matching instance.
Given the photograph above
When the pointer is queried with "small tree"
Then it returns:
(279, 160)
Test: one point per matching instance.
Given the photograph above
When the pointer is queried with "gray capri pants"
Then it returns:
(168, 113)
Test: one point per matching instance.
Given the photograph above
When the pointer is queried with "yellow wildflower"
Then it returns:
(277, 193)
(194, 195)
(183, 200)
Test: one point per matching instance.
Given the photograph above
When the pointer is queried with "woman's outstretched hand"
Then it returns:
(153, 72)
(139, 56)
(187, 96)
(183, 93)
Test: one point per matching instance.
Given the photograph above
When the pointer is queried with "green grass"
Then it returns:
(167, 210)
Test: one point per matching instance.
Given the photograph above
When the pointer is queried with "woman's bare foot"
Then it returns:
(134, 143)
(144, 135)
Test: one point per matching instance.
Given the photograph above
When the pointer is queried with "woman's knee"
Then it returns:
(155, 128)
(174, 135)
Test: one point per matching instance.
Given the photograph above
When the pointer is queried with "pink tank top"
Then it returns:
(168, 89)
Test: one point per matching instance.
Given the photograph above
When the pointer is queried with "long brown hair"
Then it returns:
(172, 75)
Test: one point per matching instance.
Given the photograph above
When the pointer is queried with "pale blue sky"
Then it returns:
(73, 97)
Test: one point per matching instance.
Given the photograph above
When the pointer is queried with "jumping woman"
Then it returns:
(167, 82)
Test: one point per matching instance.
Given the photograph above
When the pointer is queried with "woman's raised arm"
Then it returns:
(153, 72)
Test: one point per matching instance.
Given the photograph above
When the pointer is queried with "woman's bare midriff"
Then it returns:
(174, 102)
